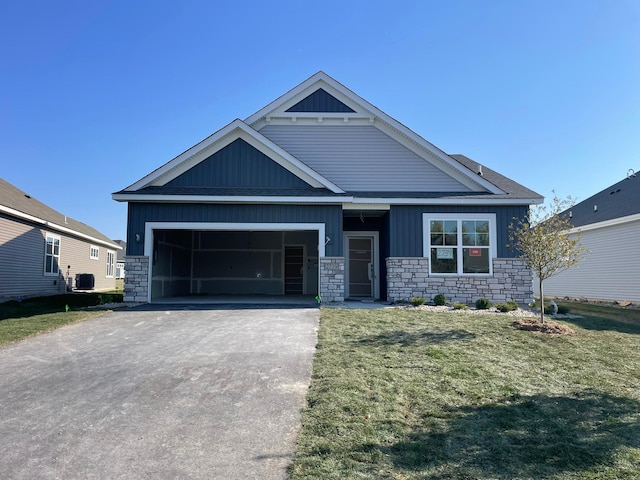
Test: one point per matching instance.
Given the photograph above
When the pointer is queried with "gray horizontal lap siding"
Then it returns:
(139, 213)
(361, 158)
(406, 226)
(238, 165)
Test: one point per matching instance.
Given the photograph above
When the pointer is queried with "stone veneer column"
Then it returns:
(406, 278)
(136, 279)
(409, 277)
(332, 279)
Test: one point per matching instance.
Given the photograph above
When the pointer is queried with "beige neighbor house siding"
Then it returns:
(611, 269)
(22, 261)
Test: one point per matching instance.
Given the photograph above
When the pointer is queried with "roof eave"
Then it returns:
(55, 226)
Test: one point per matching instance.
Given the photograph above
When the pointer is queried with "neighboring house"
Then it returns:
(321, 192)
(120, 259)
(43, 252)
(609, 223)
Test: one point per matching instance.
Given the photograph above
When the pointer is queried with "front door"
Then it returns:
(361, 267)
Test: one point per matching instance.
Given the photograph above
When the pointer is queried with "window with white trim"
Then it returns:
(52, 255)
(459, 244)
(111, 256)
(94, 253)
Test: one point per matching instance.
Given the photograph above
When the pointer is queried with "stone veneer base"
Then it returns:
(136, 280)
(409, 277)
(332, 279)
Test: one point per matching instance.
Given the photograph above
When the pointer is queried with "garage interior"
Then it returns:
(213, 263)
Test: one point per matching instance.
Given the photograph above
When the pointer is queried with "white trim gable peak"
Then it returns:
(364, 113)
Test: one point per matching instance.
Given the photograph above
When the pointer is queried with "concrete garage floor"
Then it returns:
(158, 393)
(285, 301)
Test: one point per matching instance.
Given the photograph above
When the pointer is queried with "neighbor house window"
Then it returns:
(94, 253)
(52, 255)
(111, 256)
(461, 244)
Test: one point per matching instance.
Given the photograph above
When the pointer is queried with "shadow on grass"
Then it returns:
(55, 303)
(406, 339)
(529, 437)
(603, 324)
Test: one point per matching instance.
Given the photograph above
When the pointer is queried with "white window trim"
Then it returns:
(91, 255)
(57, 237)
(111, 264)
(493, 240)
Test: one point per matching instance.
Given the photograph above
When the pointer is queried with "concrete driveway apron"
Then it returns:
(164, 394)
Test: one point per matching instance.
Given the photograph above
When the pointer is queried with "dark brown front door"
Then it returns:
(360, 266)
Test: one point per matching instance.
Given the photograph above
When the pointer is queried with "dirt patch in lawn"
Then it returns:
(546, 327)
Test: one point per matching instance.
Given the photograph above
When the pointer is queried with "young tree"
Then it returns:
(544, 243)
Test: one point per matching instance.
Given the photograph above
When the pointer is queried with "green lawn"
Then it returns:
(20, 320)
(407, 394)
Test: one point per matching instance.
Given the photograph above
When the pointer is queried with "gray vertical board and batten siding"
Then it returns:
(406, 226)
(238, 165)
(361, 158)
(139, 213)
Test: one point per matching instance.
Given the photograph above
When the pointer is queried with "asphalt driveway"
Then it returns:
(159, 394)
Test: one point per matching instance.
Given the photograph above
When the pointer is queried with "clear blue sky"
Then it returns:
(96, 94)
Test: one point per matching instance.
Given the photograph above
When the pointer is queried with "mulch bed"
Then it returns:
(534, 325)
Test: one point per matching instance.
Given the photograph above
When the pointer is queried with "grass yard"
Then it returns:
(409, 394)
(20, 320)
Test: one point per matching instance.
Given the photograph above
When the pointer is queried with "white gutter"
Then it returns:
(55, 226)
(449, 201)
(606, 223)
(123, 197)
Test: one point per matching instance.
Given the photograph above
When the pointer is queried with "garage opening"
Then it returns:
(233, 262)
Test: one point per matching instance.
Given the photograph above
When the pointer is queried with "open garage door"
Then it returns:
(189, 262)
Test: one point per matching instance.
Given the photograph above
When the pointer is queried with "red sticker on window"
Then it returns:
(475, 252)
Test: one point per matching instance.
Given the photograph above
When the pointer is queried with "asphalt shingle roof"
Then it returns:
(16, 199)
(512, 188)
(619, 200)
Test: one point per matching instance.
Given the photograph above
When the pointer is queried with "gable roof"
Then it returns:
(366, 113)
(317, 161)
(619, 201)
(220, 139)
(17, 203)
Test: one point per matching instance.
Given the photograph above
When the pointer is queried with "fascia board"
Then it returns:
(381, 120)
(606, 223)
(448, 201)
(355, 201)
(366, 206)
(54, 226)
(222, 138)
(123, 197)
